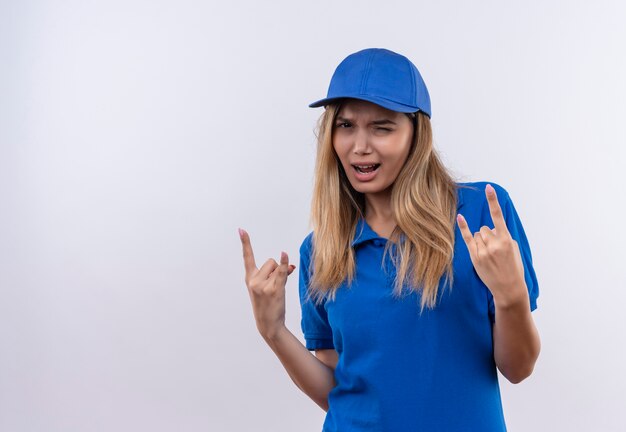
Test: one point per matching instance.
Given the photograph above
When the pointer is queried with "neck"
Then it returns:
(378, 207)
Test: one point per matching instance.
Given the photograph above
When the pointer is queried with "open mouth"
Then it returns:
(365, 169)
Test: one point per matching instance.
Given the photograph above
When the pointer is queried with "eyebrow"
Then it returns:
(375, 122)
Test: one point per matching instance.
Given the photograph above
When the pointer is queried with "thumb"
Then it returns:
(291, 268)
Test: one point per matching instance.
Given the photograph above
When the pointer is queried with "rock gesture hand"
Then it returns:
(496, 255)
(266, 287)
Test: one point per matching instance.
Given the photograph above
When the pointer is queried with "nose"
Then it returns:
(361, 143)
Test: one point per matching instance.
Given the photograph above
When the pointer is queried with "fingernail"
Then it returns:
(490, 188)
(240, 232)
(283, 256)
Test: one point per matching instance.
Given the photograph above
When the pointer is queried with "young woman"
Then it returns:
(415, 289)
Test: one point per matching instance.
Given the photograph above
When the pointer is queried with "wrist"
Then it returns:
(512, 297)
(273, 334)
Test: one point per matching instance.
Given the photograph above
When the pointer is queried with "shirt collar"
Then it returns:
(364, 232)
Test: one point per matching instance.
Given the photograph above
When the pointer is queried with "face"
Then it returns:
(367, 134)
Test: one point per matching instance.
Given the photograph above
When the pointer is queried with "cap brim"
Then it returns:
(385, 103)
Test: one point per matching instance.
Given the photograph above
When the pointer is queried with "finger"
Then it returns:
(290, 270)
(267, 268)
(487, 234)
(466, 233)
(281, 277)
(248, 255)
(481, 247)
(495, 210)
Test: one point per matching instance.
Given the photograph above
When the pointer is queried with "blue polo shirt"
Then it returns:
(399, 371)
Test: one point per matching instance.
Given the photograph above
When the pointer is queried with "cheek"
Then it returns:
(406, 149)
(340, 151)
(398, 161)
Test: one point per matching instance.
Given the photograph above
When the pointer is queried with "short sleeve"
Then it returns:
(315, 327)
(516, 229)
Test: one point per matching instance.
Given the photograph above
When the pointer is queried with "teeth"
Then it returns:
(360, 168)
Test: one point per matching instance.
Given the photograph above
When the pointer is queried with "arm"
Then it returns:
(266, 287)
(515, 337)
(311, 375)
(329, 357)
(498, 260)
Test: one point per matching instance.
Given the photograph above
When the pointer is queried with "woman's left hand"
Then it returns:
(496, 255)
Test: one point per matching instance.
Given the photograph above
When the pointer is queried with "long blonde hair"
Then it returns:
(423, 202)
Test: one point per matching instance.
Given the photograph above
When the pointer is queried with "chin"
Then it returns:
(367, 188)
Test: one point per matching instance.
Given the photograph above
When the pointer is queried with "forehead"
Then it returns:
(361, 108)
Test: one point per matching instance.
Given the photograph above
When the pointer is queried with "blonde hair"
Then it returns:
(423, 202)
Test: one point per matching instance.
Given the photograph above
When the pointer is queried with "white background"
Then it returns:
(137, 136)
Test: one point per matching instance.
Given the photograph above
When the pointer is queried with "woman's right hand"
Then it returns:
(266, 287)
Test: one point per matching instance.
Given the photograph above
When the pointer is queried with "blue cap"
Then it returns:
(380, 76)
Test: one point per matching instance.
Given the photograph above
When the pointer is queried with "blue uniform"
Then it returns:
(399, 371)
